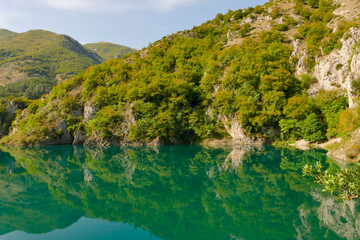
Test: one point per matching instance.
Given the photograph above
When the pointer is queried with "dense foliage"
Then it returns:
(32, 88)
(345, 184)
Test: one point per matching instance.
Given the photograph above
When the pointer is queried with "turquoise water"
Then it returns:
(176, 192)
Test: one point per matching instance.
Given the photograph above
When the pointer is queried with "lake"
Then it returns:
(170, 192)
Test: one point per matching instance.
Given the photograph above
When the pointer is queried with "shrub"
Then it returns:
(282, 27)
(275, 13)
(245, 29)
(349, 120)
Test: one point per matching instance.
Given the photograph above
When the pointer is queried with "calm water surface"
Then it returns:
(177, 192)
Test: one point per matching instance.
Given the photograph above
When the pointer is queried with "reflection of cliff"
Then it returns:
(27, 205)
(341, 217)
(238, 154)
(185, 192)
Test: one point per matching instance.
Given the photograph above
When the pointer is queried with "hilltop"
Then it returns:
(40, 58)
(283, 71)
(108, 50)
(33, 62)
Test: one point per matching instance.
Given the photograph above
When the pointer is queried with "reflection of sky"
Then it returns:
(134, 23)
(87, 228)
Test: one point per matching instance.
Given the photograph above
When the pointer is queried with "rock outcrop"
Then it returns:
(348, 149)
(338, 69)
(89, 112)
(238, 133)
(80, 137)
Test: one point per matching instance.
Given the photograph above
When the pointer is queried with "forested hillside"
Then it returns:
(255, 75)
(31, 63)
(108, 50)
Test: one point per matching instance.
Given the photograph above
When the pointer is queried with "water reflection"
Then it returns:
(178, 192)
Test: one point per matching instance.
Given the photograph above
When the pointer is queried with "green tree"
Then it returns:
(313, 128)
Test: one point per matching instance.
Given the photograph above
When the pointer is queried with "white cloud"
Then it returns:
(117, 5)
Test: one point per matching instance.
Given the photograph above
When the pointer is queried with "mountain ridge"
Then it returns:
(109, 50)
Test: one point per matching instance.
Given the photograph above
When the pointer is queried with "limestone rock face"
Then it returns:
(79, 137)
(66, 137)
(89, 112)
(338, 69)
(63, 134)
(301, 56)
(238, 133)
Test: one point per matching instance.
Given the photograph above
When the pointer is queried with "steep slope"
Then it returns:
(108, 50)
(254, 75)
(39, 57)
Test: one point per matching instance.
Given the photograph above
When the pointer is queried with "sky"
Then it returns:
(133, 23)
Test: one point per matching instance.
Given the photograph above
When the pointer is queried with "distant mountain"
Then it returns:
(6, 34)
(108, 50)
(32, 62)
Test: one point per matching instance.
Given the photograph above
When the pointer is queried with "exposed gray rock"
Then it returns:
(89, 112)
(80, 137)
(12, 107)
(66, 137)
(238, 133)
(302, 144)
(301, 55)
(338, 69)
(247, 20)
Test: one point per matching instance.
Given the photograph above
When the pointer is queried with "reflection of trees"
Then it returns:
(26, 204)
(186, 192)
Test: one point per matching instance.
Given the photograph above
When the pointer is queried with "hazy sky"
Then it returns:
(134, 23)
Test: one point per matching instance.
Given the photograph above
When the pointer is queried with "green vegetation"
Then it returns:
(181, 88)
(32, 63)
(345, 184)
(6, 116)
(46, 54)
(32, 89)
(108, 50)
(320, 39)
